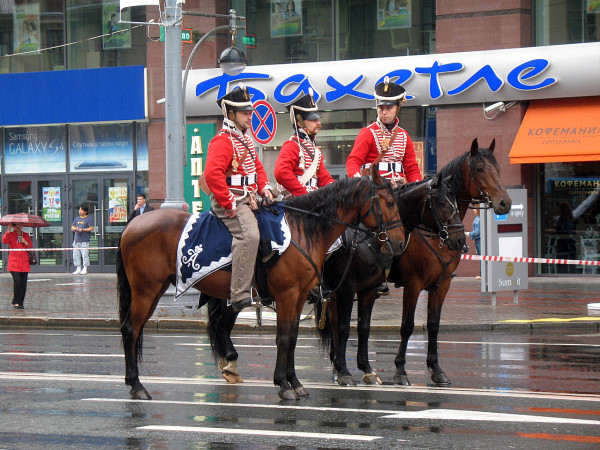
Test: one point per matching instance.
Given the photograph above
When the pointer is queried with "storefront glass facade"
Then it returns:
(52, 170)
(33, 35)
(570, 215)
(569, 209)
(566, 21)
(292, 31)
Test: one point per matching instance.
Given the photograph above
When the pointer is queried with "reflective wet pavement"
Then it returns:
(530, 389)
(55, 300)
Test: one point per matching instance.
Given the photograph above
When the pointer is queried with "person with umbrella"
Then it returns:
(18, 262)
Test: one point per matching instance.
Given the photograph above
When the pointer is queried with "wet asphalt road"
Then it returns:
(65, 389)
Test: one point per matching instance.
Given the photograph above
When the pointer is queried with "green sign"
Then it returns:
(198, 138)
(249, 40)
(186, 35)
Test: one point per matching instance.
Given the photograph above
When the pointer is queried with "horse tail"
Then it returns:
(124, 293)
(220, 323)
(325, 331)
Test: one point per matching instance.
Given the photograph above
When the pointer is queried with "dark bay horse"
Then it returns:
(146, 265)
(474, 178)
(428, 208)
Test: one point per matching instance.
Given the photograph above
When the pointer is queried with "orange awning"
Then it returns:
(559, 130)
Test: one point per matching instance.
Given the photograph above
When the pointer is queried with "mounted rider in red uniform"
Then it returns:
(299, 168)
(235, 176)
(384, 142)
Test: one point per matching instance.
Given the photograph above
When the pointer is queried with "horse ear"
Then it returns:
(448, 179)
(375, 174)
(434, 182)
(474, 146)
(492, 145)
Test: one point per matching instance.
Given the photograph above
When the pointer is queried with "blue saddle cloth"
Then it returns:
(205, 243)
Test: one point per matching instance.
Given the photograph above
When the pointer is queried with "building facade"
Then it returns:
(108, 151)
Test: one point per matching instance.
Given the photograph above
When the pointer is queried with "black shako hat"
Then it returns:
(236, 100)
(305, 106)
(389, 93)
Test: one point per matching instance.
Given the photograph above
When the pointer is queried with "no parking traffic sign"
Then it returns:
(264, 122)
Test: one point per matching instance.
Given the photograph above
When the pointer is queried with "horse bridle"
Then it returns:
(375, 209)
(442, 226)
(483, 198)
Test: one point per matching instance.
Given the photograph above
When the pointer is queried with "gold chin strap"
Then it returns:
(231, 116)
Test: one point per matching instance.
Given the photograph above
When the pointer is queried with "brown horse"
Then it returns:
(473, 178)
(146, 265)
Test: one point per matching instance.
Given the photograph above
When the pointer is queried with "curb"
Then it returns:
(162, 324)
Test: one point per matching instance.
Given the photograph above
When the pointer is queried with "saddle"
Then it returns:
(205, 246)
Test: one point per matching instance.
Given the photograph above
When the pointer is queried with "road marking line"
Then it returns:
(470, 415)
(230, 431)
(432, 414)
(268, 384)
(552, 319)
(246, 345)
(77, 355)
(70, 284)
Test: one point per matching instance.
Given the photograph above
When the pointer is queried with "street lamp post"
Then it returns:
(173, 110)
(232, 62)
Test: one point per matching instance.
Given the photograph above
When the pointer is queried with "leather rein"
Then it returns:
(381, 233)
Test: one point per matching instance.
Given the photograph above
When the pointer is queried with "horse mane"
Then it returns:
(406, 197)
(453, 170)
(323, 205)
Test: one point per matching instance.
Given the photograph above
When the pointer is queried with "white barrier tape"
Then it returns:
(577, 262)
(54, 249)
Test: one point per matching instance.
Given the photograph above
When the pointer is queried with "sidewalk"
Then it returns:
(90, 301)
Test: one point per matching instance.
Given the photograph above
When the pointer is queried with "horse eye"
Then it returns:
(480, 169)
(391, 204)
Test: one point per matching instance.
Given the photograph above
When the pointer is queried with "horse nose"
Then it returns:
(505, 205)
(462, 240)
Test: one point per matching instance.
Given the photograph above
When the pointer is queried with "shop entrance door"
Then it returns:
(108, 198)
(43, 196)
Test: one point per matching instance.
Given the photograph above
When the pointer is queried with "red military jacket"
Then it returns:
(294, 160)
(17, 261)
(219, 161)
(368, 145)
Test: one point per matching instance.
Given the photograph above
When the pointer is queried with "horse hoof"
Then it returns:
(288, 394)
(440, 380)
(140, 394)
(346, 380)
(371, 378)
(402, 380)
(232, 377)
(301, 391)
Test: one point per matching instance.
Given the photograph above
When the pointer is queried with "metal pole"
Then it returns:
(188, 66)
(174, 197)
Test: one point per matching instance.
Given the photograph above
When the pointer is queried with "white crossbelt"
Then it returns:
(312, 182)
(242, 180)
(387, 167)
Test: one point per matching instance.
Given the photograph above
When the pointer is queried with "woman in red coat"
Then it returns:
(18, 262)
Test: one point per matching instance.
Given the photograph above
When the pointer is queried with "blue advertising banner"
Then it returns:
(108, 94)
(101, 147)
(34, 150)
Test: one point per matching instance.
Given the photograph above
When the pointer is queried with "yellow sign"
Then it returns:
(510, 269)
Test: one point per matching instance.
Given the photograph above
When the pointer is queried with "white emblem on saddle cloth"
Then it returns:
(193, 255)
